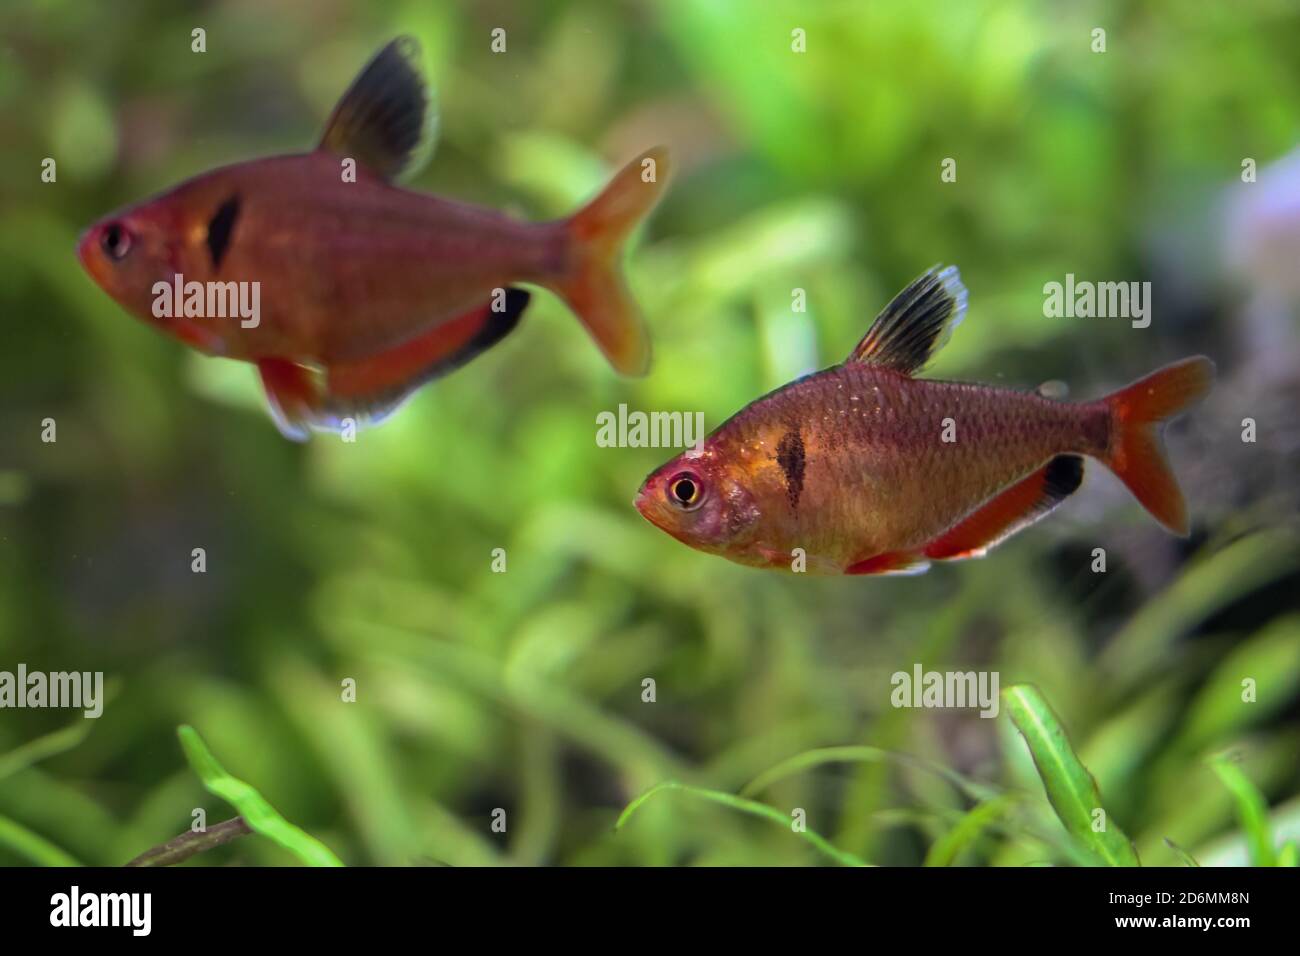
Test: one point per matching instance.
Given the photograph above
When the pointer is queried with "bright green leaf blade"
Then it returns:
(1252, 811)
(260, 816)
(745, 806)
(1070, 787)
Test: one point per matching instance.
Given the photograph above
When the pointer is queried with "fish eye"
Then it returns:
(685, 491)
(116, 240)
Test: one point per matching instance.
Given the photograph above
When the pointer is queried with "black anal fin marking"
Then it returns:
(1012, 509)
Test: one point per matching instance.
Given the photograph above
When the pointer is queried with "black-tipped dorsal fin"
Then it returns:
(385, 120)
(916, 323)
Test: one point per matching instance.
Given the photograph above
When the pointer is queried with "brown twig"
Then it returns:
(191, 842)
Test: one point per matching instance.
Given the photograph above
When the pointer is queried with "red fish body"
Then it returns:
(367, 290)
(863, 468)
(349, 270)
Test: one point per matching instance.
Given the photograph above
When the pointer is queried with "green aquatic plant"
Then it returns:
(1070, 787)
(522, 690)
(1252, 813)
(259, 816)
(1071, 790)
(751, 807)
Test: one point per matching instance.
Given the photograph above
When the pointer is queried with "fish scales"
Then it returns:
(394, 261)
(882, 432)
(351, 292)
(863, 468)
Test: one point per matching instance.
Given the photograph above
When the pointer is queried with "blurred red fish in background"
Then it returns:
(864, 469)
(365, 291)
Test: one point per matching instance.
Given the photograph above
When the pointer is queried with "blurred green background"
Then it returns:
(523, 691)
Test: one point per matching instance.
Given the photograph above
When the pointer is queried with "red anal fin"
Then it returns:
(292, 392)
(386, 379)
(369, 389)
(890, 562)
(1009, 511)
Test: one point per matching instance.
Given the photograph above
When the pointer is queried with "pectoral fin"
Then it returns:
(370, 389)
(1012, 510)
(915, 324)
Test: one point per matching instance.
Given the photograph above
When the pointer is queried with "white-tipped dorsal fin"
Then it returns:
(385, 121)
(915, 324)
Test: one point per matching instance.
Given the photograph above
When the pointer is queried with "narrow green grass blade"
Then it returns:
(53, 743)
(260, 816)
(745, 806)
(1252, 811)
(945, 850)
(42, 748)
(1187, 858)
(31, 845)
(862, 754)
(1289, 855)
(1070, 787)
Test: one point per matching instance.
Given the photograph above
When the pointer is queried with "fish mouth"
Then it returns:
(84, 243)
(641, 501)
(91, 260)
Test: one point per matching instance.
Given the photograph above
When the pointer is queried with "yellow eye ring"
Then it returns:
(685, 491)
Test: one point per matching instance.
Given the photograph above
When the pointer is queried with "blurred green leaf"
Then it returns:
(815, 758)
(1187, 858)
(1252, 810)
(946, 850)
(45, 747)
(745, 806)
(32, 846)
(1213, 582)
(1270, 661)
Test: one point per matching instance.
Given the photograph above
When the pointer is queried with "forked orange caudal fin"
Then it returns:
(1135, 453)
(593, 285)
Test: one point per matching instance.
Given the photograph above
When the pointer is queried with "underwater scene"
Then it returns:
(650, 433)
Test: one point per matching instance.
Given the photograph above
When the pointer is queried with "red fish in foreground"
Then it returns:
(870, 470)
(364, 291)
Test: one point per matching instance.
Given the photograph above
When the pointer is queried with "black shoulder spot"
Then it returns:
(790, 456)
(220, 228)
